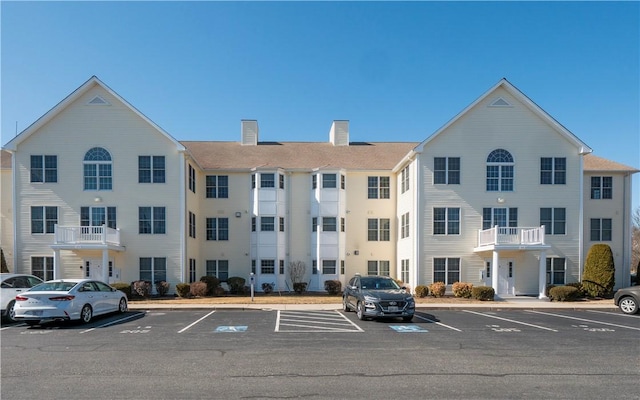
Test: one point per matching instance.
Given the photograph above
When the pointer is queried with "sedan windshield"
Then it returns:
(378, 284)
(53, 287)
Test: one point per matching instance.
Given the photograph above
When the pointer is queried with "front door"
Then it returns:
(93, 270)
(505, 277)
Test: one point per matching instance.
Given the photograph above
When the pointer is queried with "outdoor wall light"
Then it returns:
(238, 214)
(98, 199)
(500, 200)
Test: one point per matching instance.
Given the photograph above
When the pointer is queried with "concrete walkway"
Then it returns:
(502, 304)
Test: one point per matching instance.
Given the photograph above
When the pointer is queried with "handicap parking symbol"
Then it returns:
(407, 328)
(231, 329)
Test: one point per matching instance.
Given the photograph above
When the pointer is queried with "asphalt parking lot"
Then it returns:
(322, 353)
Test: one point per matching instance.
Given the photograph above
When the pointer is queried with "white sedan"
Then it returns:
(68, 299)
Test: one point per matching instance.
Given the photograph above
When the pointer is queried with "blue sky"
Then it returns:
(396, 71)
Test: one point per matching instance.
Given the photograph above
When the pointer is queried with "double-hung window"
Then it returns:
(329, 181)
(44, 169)
(97, 169)
(42, 267)
(554, 220)
(378, 187)
(217, 186)
(192, 225)
(446, 270)
(446, 221)
(601, 229)
(329, 267)
(98, 216)
(192, 179)
(553, 170)
(267, 180)
(151, 169)
(446, 170)
(267, 266)
(375, 267)
(404, 226)
(556, 271)
(153, 269)
(151, 220)
(503, 217)
(218, 268)
(44, 219)
(267, 224)
(500, 175)
(329, 224)
(404, 179)
(601, 187)
(379, 229)
(217, 229)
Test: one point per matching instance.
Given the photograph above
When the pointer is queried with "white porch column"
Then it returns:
(105, 266)
(56, 265)
(495, 262)
(542, 275)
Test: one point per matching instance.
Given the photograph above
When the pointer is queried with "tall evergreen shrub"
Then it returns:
(599, 271)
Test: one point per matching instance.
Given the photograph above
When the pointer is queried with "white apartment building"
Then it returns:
(502, 195)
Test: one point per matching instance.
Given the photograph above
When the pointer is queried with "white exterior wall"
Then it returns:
(618, 209)
(6, 217)
(70, 135)
(472, 137)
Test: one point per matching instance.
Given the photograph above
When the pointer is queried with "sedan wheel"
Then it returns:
(11, 312)
(86, 314)
(360, 311)
(628, 305)
(122, 306)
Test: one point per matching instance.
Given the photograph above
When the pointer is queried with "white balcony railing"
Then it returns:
(86, 235)
(520, 236)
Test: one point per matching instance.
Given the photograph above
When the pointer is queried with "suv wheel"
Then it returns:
(345, 305)
(360, 311)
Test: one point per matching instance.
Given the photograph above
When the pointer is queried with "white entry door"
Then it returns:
(505, 277)
(93, 270)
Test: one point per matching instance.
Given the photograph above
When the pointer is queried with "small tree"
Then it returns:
(599, 271)
(4, 267)
(296, 271)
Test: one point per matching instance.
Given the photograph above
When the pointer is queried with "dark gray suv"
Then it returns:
(377, 296)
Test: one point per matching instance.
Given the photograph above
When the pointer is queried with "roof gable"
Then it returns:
(13, 144)
(500, 102)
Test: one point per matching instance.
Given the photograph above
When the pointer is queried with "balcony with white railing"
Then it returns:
(511, 237)
(79, 236)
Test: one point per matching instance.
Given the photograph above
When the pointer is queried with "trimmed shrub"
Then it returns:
(577, 285)
(183, 290)
(123, 287)
(236, 284)
(300, 287)
(547, 289)
(198, 289)
(212, 283)
(333, 287)
(219, 291)
(141, 288)
(462, 289)
(599, 271)
(564, 293)
(267, 288)
(437, 289)
(422, 291)
(162, 288)
(484, 293)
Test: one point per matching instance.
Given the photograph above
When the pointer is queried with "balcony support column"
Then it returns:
(495, 262)
(105, 266)
(56, 265)
(542, 275)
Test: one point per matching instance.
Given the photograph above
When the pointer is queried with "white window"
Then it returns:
(556, 271)
(329, 224)
(192, 179)
(217, 229)
(446, 170)
(501, 216)
(601, 187)
(98, 216)
(44, 169)
(151, 220)
(404, 225)
(601, 229)
(404, 270)
(97, 169)
(267, 266)
(500, 176)
(329, 267)
(43, 219)
(217, 186)
(375, 267)
(378, 229)
(446, 270)
(218, 268)
(329, 181)
(192, 270)
(153, 269)
(554, 220)
(42, 267)
(553, 171)
(267, 180)
(151, 169)
(267, 224)
(378, 187)
(404, 178)
(192, 225)
(446, 221)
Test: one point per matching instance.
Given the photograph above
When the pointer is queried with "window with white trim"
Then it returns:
(329, 267)
(500, 175)
(404, 179)
(192, 270)
(267, 266)
(98, 216)
(217, 268)
(601, 229)
(192, 179)
(151, 220)
(153, 269)
(217, 186)
(97, 167)
(42, 267)
(601, 187)
(404, 270)
(192, 225)
(404, 226)
(44, 169)
(553, 170)
(446, 221)
(554, 220)
(446, 170)
(378, 229)
(217, 229)
(378, 187)
(151, 169)
(329, 181)
(378, 267)
(556, 271)
(501, 216)
(43, 219)
(267, 224)
(446, 270)
(329, 224)
(267, 180)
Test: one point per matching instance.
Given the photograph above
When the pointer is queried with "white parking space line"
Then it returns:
(617, 314)
(193, 323)
(112, 322)
(314, 321)
(583, 319)
(436, 322)
(511, 320)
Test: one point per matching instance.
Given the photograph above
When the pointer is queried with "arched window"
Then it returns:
(500, 171)
(97, 169)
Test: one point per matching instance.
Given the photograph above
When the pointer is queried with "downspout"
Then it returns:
(581, 220)
(418, 217)
(626, 235)
(14, 195)
(183, 210)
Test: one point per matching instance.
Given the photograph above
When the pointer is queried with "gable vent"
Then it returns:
(500, 102)
(98, 101)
